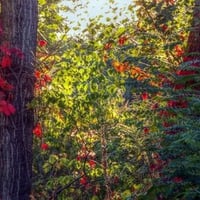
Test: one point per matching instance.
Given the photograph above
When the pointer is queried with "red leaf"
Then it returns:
(185, 72)
(153, 167)
(37, 86)
(47, 78)
(43, 83)
(6, 61)
(146, 130)
(92, 163)
(2, 95)
(171, 103)
(155, 106)
(4, 85)
(177, 104)
(165, 113)
(122, 40)
(178, 86)
(78, 158)
(177, 180)
(164, 27)
(187, 58)
(7, 108)
(44, 146)
(144, 96)
(178, 50)
(37, 131)
(42, 43)
(83, 180)
(170, 2)
(4, 48)
(107, 46)
(37, 74)
(167, 124)
(10, 109)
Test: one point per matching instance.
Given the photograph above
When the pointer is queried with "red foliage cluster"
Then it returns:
(165, 113)
(120, 67)
(157, 163)
(6, 61)
(177, 103)
(5, 88)
(185, 72)
(37, 131)
(121, 41)
(92, 163)
(85, 155)
(192, 62)
(163, 80)
(41, 79)
(86, 185)
(179, 86)
(4, 85)
(84, 181)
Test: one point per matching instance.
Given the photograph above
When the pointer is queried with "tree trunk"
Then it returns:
(19, 25)
(193, 44)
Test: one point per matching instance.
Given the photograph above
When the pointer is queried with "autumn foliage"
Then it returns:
(117, 110)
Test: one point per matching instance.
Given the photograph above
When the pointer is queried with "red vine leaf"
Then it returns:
(6, 61)
(44, 146)
(37, 131)
(7, 108)
(5, 85)
(42, 43)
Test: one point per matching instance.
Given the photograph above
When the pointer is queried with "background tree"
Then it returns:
(18, 47)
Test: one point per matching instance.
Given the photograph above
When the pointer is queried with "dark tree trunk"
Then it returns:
(19, 25)
(193, 45)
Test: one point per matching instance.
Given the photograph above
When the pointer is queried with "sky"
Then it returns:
(95, 8)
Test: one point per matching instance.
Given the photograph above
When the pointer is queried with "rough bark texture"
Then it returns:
(193, 46)
(19, 22)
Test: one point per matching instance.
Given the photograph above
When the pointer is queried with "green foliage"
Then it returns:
(110, 114)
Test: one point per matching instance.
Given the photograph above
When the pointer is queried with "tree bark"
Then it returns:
(19, 25)
(193, 44)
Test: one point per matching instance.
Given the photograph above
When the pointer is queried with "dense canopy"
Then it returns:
(116, 104)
